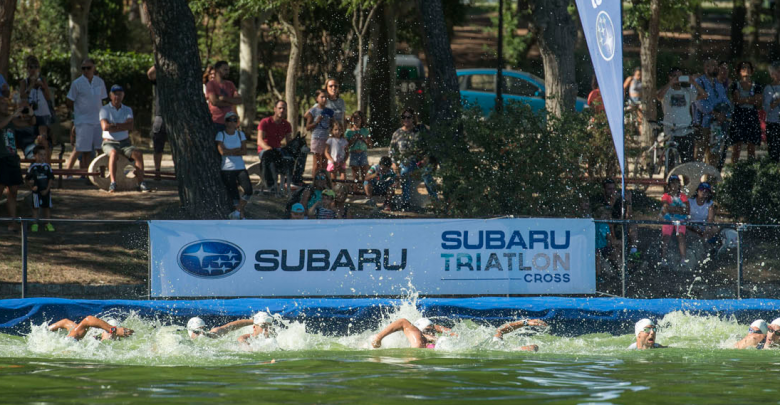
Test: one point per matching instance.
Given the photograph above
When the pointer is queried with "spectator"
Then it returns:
(703, 210)
(613, 203)
(35, 91)
(313, 194)
(745, 127)
(702, 116)
(10, 169)
(231, 144)
(676, 98)
(633, 84)
(39, 176)
(222, 95)
(24, 129)
(159, 134)
(675, 208)
(318, 122)
(723, 74)
(406, 150)
(270, 133)
(358, 138)
(340, 205)
(4, 90)
(116, 120)
(337, 151)
(297, 211)
(85, 98)
(379, 182)
(325, 208)
(772, 108)
(594, 98)
(335, 102)
(208, 75)
(719, 134)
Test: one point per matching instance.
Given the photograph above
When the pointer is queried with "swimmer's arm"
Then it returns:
(443, 329)
(509, 327)
(229, 327)
(243, 338)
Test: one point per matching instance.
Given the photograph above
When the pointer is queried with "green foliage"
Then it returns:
(674, 15)
(108, 26)
(515, 163)
(751, 192)
(410, 31)
(40, 32)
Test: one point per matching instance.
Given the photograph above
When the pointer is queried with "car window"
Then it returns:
(481, 83)
(519, 87)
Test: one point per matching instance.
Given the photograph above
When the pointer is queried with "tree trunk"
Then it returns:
(694, 47)
(360, 23)
(78, 18)
(737, 26)
(7, 12)
(292, 25)
(190, 130)
(442, 79)
(557, 34)
(381, 67)
(247, 84)
(775, 48)
(648, 51)
(753, 13)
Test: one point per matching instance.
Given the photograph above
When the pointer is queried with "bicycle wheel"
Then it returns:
(672, 160)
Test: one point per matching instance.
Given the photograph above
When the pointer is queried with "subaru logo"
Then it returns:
(211, 258)
(605, 36)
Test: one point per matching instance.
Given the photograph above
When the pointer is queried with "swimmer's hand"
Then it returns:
(537, 322)
(375, 343)
(124, 332)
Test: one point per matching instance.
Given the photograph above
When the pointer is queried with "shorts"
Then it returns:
(332, 166)
(25, 140)
(41, 201)
(358, 158)
(44, 121)
(159, 136)
(10, 171)
(378, 187)
(89, 137)
(124, 147)
(666, 230)
(318, 145)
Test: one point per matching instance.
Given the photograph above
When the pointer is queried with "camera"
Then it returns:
(683, 79)
(26, 110)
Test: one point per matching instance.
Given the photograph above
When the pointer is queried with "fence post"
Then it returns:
(24, 259)
(739, 262)
(623, 270)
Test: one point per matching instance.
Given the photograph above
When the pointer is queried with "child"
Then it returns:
(318, 122)
(379, 181)
(340, 205)
(296, 212)
(231, 144)
(39, 176)
(337, 152)
(358, 138)
(324, 208)
(676, 208)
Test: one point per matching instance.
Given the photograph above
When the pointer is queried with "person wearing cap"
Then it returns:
(512, 326)
(703, 210)
(645, 330)
(756, 336)
(420, 334)
(231, 144)
(85, 99)
(222, 95)
(116, 119)
(703, 108)
(262, 325)
(196, 328)
(77, 331)
(772, 334)
(613, 201)
(675, 208)
(297, 211)
(324, 209)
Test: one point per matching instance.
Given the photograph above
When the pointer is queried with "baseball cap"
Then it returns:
(423, 323)
(297, 208)
(330, 193)
(760, 324)
(704, 186)
(231, 115)
(195, 324)
(673, 177)
(262, 317)
(116, 88)
(641, 325)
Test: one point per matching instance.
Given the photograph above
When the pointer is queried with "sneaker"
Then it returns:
(49, 227)
(234, 215)
(112, 187)
(34, 227)
(143, 187)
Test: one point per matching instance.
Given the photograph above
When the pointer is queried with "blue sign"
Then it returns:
(603, 27)
(211, 258)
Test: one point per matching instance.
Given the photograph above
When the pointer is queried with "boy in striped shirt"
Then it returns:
(39, 177)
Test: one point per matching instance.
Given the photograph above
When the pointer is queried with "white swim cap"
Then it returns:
(641, 325)
(423, 323)
(113, 322)
(760, 324)
(776, 322)
(262, 317)
(195, 324)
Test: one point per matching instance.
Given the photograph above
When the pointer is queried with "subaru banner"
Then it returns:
(308, 258)
(602, 24)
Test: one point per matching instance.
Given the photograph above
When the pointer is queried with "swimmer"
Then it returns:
(773, 334)
(111, 328)
(197, 328)
(645, 336)
(512, 326)
(756, 336)
(262, 325)
(421, 334)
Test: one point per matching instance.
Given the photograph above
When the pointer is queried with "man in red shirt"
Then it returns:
(222, 95)
(270, 133)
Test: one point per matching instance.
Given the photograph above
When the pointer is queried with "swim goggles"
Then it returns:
(650, 329)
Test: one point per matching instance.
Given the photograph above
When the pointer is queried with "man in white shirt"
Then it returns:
(677, 97)
(116, 120)
(85, 98)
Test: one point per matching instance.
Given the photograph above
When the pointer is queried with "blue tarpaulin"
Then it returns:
(570, 316)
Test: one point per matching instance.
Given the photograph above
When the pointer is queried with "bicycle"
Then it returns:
(671, 154)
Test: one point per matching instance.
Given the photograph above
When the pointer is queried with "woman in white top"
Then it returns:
(35, 92)
(703, 210)
(231, 144)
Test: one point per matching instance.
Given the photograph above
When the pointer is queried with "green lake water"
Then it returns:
(161, 365)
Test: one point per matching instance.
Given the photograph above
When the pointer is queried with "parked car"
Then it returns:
(478, 88)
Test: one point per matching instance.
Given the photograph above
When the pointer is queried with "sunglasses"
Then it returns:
(407, 117)
(334, 86)
(650, 329)
(751, 330)
(86, 67)
(232, 120)
(321, 177)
